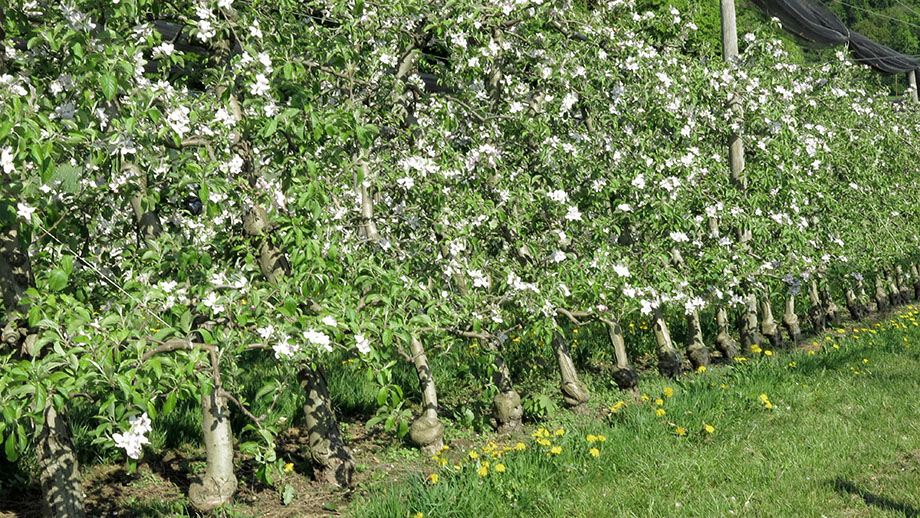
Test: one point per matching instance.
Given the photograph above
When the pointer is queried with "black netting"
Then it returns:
(811, 20)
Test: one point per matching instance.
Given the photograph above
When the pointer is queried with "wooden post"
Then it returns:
(912, 81)
(730, 54)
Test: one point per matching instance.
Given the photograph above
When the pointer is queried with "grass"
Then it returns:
(838, 438)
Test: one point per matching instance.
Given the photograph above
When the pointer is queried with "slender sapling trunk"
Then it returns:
(426, 432)
(669, 359)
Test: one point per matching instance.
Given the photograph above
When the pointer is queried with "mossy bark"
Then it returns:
(624, 376)
(334, 462)
(725, 343)
(831, 309)
(59, 472)
(894, 295)
(669, 359)
(768, 326)
(857, 309)
(791, 320)
(426, 432)
(747, 328)
(697, 351)
(574, 392)
(218, 484)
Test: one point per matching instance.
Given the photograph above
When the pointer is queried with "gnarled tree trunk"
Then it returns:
(894, 295)
(857, 309)
(696, 348)
(218, 484)
(830, 307)
(881, 298)
(768, 326)
(669, 359)
(507, 410)
(624, 376)
(426, 432)
(816, 313)
(915, 273)
(724, 341)
(59, 472)
(335, 463)
(791, 320)
(747, 328)
(574, 392)
(901, 279)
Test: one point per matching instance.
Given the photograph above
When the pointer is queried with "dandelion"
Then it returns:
(811, 353)
(709, 428)
(768, 352)
(660, 412)
(594, 452)
(659, 402)
(499, 468)
(556, 450)
(680, 431)
(668, 392)
(560, 432)
(617, 406)
(289, 467)
(591, 438)
(601, 438)
(482, 471)
(433, 478)
(766, 401)
(756, 349)
(474, 455)
(520, 446)
(701, 369)
(543, 442)
(418, 515)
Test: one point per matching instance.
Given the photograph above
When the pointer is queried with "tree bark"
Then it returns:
(750, 335)
(881, 299)
(669, 359)
(724, 341)
(902, 284)
(218, 484)
(768, 326)
(894, 295)
(334, 461)
(624, 376)
(857, 309)
(59, 472)
(507, 410)
(574, 392)
(696, 348)
(816, 313)
(426, 432)
(830, 307)
(915, 273)
(791, 320)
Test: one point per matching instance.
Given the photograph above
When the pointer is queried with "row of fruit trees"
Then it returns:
(190, 184)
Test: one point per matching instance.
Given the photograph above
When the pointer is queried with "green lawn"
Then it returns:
(840, 439)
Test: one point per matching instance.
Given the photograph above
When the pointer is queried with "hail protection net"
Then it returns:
(812, 21)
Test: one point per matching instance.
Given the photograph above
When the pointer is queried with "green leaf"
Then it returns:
(12, 454)
(382, 396)
(169, 404)
(288, 496)
(57, 280)
(109, 86)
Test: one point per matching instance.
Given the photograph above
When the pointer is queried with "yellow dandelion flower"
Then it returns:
(520, 446)
(601, 438)
(590, 438)
(433, 478)
(486, 464)
(544, 442)
(660, 412)
(756, 349)
(812, 353)
(865, 360)
(659, 402)
(701, 369)
(723, 386)
(560, 432)
(499, 468)
(644, 397)
(289, 467)
(681, 431)
(768, 352)
(482, 471)
(418, 515)
(556, 450)
(474, 455)
(792, 364)
(709, 428)
(442, 462)
(594, 452)
(668, 392)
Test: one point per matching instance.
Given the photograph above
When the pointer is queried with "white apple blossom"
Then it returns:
(362, 344)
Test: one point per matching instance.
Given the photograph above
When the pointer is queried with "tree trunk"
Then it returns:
(217, 485)
(857, 309)
(791, 320)
(816, 313)
(768, 326)
(894, 296)
(724, 341)
(574, 392)
(748, 325)
(59, 472)
(830, 307)
(881, 299)
(624, 376)
(915, 273)
(507, 410)
(426, 432)
(902, 284)
(669, 359)
(696, 348)
(334, 461)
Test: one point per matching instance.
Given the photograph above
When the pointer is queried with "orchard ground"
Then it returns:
(828, 429)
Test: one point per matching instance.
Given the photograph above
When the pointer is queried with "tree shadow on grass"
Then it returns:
(845, 487)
